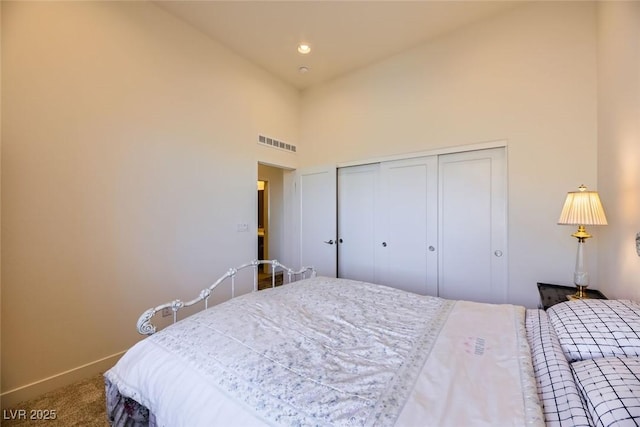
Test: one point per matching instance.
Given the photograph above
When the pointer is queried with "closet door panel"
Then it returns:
(472, 218)
(408, 225)
(357, 194)
(317, 197)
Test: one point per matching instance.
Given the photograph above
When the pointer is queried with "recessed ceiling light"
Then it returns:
(303, 69)
(304, 48)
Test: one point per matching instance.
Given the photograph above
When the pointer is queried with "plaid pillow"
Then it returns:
(560, 398)
(593, 328)
(611, 389)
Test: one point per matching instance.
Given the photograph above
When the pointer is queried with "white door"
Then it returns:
(473, 226)
(317, 196)
(407, 239)
(357, 193)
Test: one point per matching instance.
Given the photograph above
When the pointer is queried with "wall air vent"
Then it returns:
(270, 142)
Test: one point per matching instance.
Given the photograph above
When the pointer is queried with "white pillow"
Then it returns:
(593, 328)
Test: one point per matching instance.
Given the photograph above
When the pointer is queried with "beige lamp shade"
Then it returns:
(582, 208)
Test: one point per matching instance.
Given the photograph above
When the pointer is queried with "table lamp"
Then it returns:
(582, 208)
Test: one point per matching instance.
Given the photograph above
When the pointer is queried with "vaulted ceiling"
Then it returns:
(343, 35)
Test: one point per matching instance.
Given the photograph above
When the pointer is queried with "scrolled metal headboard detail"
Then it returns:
(145, 327)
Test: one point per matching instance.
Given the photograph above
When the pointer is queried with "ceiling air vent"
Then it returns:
(270, 142)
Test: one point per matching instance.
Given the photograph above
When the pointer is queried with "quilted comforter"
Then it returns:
(336, 352)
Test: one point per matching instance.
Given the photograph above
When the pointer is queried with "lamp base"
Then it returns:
(581, 293)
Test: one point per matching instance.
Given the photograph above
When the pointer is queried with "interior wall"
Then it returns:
(129, 152)
(527, 76)
(619, 146)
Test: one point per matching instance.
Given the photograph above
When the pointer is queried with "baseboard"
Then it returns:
(11, 398)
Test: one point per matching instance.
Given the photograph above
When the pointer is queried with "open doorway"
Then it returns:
(263, 220)
(270, 214)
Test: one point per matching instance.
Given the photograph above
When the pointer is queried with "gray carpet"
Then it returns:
(78, 404)
(265, 281)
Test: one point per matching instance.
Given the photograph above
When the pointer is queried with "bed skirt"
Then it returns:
(123, 411)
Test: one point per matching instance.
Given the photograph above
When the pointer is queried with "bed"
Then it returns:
(337, 352)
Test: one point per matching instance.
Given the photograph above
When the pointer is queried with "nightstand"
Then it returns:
(553, 294)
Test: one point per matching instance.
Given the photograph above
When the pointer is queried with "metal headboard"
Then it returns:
(144, 322)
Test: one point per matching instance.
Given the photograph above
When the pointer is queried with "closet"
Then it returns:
(434, 225)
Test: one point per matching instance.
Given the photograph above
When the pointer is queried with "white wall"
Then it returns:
(129, 156)
(527, 76)
(619, 146)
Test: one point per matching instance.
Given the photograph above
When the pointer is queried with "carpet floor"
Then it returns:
(78, 404)
(265, 281)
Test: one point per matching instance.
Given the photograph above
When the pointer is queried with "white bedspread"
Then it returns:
(336, 352)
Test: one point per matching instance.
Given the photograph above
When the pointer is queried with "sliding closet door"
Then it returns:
(406, 245)
(357, 193)
(473, 226)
